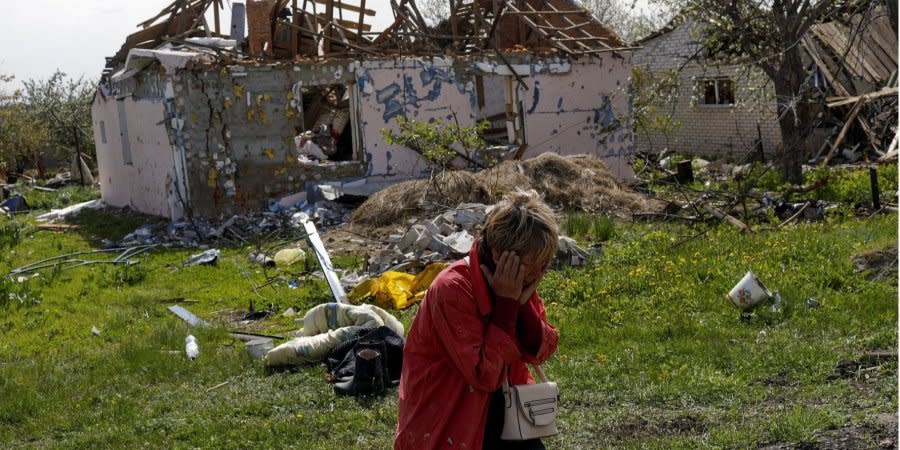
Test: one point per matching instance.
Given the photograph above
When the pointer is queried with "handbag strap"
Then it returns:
(537, 369)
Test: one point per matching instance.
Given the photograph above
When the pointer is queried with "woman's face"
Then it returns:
(534, 269)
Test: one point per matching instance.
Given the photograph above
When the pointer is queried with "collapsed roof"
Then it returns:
(291, 29)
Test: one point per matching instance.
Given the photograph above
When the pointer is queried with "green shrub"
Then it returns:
(853, 185)
(588, 227)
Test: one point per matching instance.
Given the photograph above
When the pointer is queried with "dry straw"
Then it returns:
(579, 182)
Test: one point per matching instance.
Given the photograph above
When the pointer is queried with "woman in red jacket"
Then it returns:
(480, 316)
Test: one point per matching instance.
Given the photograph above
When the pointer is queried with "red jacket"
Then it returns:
(454, 357)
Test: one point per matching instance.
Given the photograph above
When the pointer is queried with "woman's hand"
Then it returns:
(509, 278)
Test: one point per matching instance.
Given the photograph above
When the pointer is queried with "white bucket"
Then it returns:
(748, 292)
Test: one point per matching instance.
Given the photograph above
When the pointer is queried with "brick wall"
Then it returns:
(708, 130)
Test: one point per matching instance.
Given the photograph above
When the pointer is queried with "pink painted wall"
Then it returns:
(146, 184)
(581, 108)
(420, 89)
(586, 110)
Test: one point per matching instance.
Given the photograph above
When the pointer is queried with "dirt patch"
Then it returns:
(640, 427)
(684, 425)
(870, 362)
(779, 379)
(574, 182)
(877, 264)
(851, 437)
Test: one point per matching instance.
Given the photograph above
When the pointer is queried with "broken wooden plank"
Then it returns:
(891, 152)
(813, 51)
(347, 7)
(56, 227)
(726, 217)
(834, 102)
(837, 142)
(346, 24)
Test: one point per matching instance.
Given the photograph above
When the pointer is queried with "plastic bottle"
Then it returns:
(191, 349)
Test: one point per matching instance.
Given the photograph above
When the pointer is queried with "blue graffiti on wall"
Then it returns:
(388, 98)
(395, 98)
(535, 97)
(604, 116)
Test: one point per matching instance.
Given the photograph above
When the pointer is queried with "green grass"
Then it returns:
(651, 354)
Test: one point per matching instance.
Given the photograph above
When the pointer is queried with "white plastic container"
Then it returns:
(749, 292)
(191, 349)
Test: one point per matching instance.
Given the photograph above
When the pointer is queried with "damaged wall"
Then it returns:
(240, 124)
(583, 111)
(570, 108)
(145, 183)
(228, 131)
(417, 89)
(708, 130)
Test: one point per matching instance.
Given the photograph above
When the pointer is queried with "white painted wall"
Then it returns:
(708, 130)
(146, 184)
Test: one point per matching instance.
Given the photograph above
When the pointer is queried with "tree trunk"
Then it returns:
(794, 114)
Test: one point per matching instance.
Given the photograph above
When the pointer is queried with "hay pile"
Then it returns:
(574, 182)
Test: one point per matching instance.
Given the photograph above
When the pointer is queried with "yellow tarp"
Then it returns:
(396, 290)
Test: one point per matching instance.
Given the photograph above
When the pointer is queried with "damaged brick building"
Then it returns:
(191, 121)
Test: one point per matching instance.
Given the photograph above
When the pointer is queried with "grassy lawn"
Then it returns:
(651, 355)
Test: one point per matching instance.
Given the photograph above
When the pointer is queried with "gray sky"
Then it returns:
(75, 36)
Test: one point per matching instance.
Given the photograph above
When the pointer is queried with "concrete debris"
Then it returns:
(568, 253)
(197, 232)
(207, 257)
(460, 242)
(449, 236)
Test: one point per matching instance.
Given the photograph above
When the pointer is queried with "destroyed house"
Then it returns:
(730, 110)
(190, 120)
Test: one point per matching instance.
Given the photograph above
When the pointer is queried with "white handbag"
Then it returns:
(530, 409)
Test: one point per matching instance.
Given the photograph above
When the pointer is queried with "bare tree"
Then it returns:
(626, 18)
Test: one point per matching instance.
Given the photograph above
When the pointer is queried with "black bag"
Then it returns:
(367, 363)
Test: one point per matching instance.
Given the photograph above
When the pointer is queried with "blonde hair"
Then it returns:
(522, 223)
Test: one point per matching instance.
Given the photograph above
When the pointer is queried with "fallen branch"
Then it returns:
(808, 188)
(726, 217)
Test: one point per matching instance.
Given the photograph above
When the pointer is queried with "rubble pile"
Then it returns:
(579, 182)
(449, 236)
(237, 229)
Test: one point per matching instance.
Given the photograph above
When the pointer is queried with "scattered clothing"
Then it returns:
(327, 325)
(367, 363)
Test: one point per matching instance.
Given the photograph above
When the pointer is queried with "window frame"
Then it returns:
(717, 82)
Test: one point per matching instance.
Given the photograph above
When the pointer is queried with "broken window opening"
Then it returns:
(716, 91)
(102, 132)
(327, 134)
(499, 104)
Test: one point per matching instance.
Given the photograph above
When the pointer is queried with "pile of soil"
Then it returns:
(579, 182)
